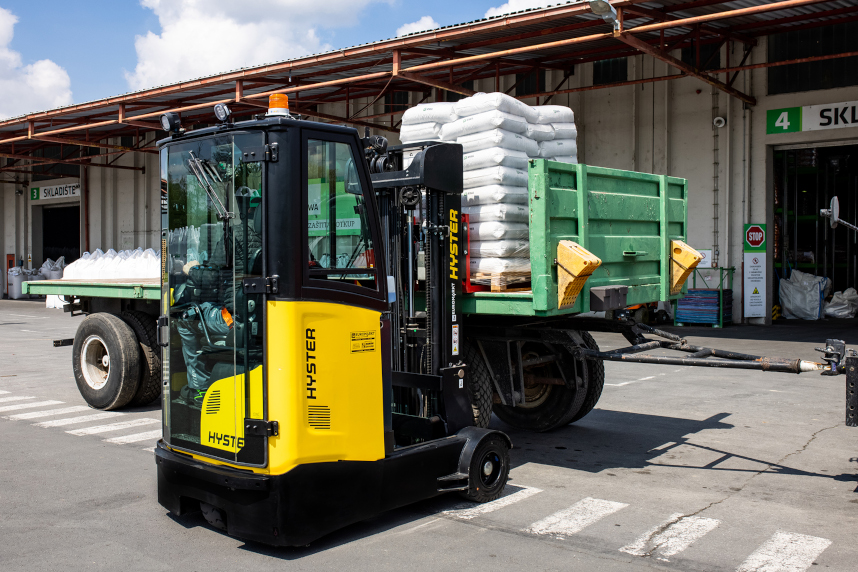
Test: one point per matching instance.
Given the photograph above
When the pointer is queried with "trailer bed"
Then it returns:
(138, 288)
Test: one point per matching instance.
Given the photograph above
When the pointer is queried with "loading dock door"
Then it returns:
(61, 233)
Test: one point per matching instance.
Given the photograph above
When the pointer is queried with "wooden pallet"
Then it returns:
(504, 281)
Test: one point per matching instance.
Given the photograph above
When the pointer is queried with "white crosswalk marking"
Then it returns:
(785, 552)
(575, 518)
(76, 420)
(49, 413)
(469, 510)
(28, 405)
(16, 398)
(148, 435)
(2, 392)
(671, 537)
(113, 426)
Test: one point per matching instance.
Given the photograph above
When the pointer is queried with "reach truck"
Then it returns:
(324, 355)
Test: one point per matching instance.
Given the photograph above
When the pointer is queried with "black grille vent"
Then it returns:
(319, 416)
(213, 402)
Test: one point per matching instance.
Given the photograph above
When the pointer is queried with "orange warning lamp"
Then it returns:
(278, 104)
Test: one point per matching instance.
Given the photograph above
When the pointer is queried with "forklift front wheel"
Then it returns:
(489, 470)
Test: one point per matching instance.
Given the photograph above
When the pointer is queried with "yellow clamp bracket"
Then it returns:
(574, 265)
(683, 261)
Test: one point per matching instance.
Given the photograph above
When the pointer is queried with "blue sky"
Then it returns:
(111, 47)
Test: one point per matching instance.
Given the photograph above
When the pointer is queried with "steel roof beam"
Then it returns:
(657, 15)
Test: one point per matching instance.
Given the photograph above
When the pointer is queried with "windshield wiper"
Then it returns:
(200, 168)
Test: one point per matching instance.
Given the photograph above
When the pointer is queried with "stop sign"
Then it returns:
(755, 236)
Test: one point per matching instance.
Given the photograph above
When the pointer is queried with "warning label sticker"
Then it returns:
(455, 339)
(363, 342)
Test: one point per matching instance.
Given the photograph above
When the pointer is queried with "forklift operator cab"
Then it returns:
(282, 419)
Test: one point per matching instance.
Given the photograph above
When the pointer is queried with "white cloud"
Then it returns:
(25, 88)
(203, 37)
(424, 23)
(516, 5)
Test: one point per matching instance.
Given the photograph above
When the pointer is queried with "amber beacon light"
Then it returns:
(278, 104)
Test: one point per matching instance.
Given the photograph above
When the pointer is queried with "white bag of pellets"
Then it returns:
(500, 249)
(539, 132)
(496, 230)
(495, 157)
(482, 102)
(564, 130)
(547, 114)
(439, 112)
(498, 138)
(419, 132)
(495, 176)
(492, 194)
(501, 212)
(558, 148)
(571, 160)
(498, 265)
(483, 122)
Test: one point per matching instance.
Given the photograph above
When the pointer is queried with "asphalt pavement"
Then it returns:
(683, 469)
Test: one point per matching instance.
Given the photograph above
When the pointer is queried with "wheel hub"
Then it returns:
(95, 362)
(488, 467)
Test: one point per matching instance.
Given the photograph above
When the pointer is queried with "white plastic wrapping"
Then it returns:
(546, 114)
(802, 295)
(558, 148)
(495, 157)
(497, 265)
(573, 159)
(483, 122)
(498, 138)
(125, 264)
(496, 230)
(564, 130)
(439, 112)
(495, 176)
(843, 304)
(507, 212)
(501, 249)
(482, 102)
(419, 132)
(539, 132)
(492, 194)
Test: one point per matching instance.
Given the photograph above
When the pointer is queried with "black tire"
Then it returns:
(480, 387)
(150, 357)
(595, 380)
(548, 406)
(214, 516)
(111, 383)
(484, 484)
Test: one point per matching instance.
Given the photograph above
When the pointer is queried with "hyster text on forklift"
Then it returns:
(324, 354)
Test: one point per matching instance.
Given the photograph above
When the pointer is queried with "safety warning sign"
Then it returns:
(363, 342)
(755, 271)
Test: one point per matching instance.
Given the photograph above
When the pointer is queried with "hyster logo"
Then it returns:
(310, 345)
(454, 244)
(225, 440)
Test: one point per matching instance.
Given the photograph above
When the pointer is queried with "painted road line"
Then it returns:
(3, 392)
(135, 438)
(28, 405)
(76, 420)
(671, 537)
(94, 430)
(469, 510)
(149, 449)
(16, 398)
(785, 552)
(49, 413)
(575, 518)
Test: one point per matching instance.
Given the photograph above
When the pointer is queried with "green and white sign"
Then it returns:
(812, 117)
(754, 289)
(56, 192)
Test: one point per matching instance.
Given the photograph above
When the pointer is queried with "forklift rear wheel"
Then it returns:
(489, 470)
(479, 385)
(214, 516)
(150, 357)
(106, 361)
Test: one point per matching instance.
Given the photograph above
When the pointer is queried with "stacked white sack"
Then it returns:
(424, 122)
(563, 146)
(126, 264)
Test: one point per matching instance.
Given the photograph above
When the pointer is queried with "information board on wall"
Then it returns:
(754, 283)
(55, 192)
(812, 117)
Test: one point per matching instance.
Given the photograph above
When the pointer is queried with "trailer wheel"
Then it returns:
(106, 361)
(488, 471)
(479, 386)
(595, 379)
(150, 363)
(548, 405)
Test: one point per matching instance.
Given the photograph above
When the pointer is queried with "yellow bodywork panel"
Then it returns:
(683, 261)
(222, 420)
(324, 384)
(575, 264)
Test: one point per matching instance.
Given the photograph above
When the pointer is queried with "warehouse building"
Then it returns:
(753, 102)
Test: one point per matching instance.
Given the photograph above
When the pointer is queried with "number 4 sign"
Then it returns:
(783, 120)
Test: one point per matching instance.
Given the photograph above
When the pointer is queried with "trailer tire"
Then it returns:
(106, 361)
(595, 380)
(479, 386)
(488, 470)
(150, 357)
